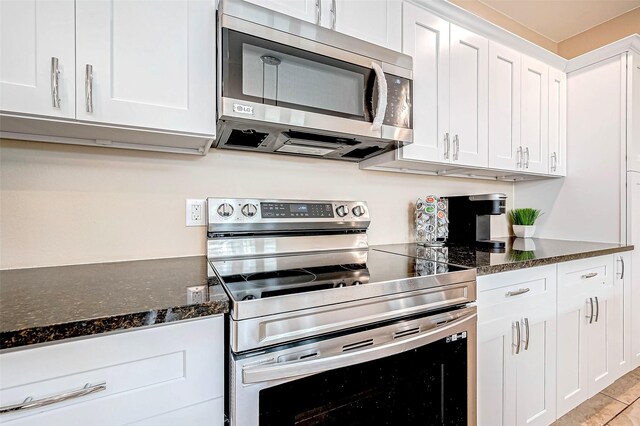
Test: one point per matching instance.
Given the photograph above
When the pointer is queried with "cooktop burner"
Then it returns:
(261, 278)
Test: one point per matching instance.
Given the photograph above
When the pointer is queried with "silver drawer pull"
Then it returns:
(31, 403)
(518, 292)
(55, 82)
(88, 88)
(526, 329)
(516, 345)
(589, 275)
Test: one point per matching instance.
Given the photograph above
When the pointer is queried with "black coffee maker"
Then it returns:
(470, 219)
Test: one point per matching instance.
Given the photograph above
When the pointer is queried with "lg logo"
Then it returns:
(243, 109)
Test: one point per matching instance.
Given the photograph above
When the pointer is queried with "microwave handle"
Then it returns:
(262, 373)
(381, 110)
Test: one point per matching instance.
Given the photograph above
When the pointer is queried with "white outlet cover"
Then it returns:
(195, 212)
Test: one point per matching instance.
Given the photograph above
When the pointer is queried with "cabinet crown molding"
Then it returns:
(630, 43)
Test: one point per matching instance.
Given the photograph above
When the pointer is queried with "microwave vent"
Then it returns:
(246, 138)
(325, 139)
(362, 153)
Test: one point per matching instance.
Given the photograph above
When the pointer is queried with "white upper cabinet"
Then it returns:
(557, 122)
(306, 10)
(468, 102)
(633, 112)
(146, 64)
(376, 21)
(535, 117)
(37, 58)
(504, 107)
(426, 39)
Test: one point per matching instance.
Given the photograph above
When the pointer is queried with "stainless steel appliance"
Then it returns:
(291, 87)
(324, 329)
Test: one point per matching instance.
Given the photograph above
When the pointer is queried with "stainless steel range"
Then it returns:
(324, 329)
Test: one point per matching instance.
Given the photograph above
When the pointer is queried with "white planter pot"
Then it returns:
(524, 231)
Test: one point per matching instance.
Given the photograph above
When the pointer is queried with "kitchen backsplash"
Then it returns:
(63, 204)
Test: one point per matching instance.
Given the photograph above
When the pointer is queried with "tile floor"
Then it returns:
(617, 405)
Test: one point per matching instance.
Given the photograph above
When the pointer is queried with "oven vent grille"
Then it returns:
(357, 345)
(311, 355)
(403, 333)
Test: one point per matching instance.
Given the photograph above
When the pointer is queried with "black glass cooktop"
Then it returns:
(260, 278)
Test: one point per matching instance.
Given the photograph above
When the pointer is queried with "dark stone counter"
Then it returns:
(519, 253)
(48, 304)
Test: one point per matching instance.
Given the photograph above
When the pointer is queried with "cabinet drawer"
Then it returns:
(146, 373)
(585, 277)
(530, 288)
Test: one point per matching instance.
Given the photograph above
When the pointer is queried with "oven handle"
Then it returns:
(381, 81)
(285, 370)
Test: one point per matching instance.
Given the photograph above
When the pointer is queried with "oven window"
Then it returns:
(425, 386)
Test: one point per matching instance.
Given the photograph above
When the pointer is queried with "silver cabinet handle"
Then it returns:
(334, 13)
(31, 403)
(590, 316)
(516, 326)
(554, 162)
(526, 329)
(318, 12)
(597, 309)
(519, 153)
(55, 80)
(518, 292)
(88, 87)
(456, 148)
(526, 153)
(589, 275)
(447, 146)
(621, 260)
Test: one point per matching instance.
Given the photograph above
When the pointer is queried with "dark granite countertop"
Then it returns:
(47, 304)
(519, 253)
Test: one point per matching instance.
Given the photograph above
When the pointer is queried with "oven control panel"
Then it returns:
(229, 214)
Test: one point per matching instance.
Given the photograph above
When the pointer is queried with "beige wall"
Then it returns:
(497, 18)
(63, 204)
(601, 35)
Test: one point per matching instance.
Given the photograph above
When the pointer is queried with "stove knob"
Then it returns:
(341, 284)
(357, 283)
(358, 211)
(342, 210)
(249, 297)
(249, 210)
(225, 210)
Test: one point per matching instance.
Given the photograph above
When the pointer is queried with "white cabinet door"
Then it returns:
(620, 316)
(307, 10)
(601, 337)
(557, 122)
(469, 69)
(633, 112)
(535, 118)
(426, 39)
(504, 107)
(633, 237)
(33, 34)
(153, 63)
(536, 370)
(376, 21)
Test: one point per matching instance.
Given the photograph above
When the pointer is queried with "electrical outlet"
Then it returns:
(197, 294)
(195, 212)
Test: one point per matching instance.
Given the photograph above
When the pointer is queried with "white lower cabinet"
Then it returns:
(164, 375)
(516, 347)
(590, 329)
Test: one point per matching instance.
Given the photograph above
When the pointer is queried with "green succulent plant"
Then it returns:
(526, 216)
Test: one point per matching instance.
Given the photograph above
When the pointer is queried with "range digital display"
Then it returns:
(296, 210)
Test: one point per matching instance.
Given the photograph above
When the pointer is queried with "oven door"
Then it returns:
(412, 372)
(275, 77)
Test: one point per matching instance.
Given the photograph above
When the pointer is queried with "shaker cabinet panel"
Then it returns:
(557, 122)
(37, 57)
(146, 64)
(504, 108)
(306, 10)
(469, 54)
(378, 21)
(535, 119)
(426, 39)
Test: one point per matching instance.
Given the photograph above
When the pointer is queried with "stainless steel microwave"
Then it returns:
(291, 87)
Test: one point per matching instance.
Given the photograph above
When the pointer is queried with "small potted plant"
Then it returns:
(523, 221)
